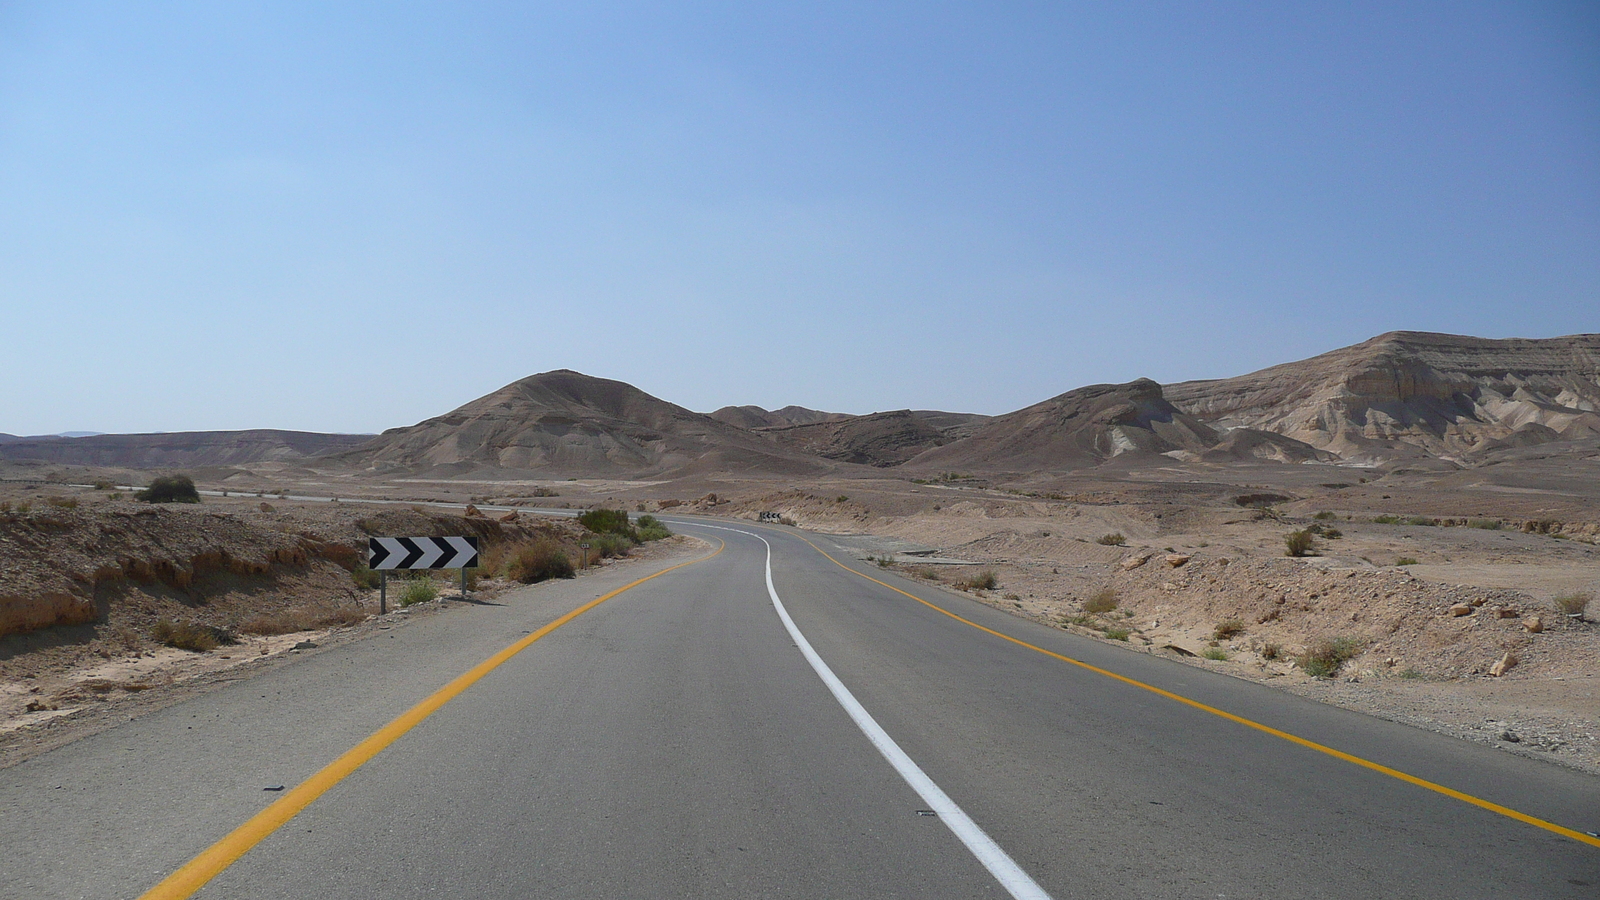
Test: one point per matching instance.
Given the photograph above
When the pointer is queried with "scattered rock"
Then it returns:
(1505, 612)
(1503, 665)
(510, 516)
(1533, 625)
(305, 645)
(1461, 609)
(1134, 562)
(473, 512)
(1177, 559)
(1510, 737)
(266, 507)
(1178, 650)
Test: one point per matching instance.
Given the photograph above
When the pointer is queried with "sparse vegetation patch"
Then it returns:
(985, 580)
(170, 489)
(1114, 539)
(1573, 604)
(532, 563)
(1298, 543)
(189, 636)
(1103, 601)
(1324, 658)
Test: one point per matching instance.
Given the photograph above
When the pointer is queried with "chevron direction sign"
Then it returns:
(423, 553)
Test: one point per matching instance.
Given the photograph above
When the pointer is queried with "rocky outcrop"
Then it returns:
(880, 439)
(1415, 394)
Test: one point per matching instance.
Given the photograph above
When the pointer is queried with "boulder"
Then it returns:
(1461, 609)
(1135, 561)
(1505, 612)
(473, 512)
(1177, 559)
(1533, 625)
(510, 516)
(1503, 665)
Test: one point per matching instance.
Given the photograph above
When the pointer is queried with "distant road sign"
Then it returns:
(771, 517)
(423, 553)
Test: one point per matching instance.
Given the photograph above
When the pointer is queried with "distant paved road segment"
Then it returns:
(676, 741)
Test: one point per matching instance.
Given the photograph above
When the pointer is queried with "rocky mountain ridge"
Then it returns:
(1440, 399)
(1412, 394)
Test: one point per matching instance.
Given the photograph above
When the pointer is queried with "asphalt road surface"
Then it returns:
(677, 740)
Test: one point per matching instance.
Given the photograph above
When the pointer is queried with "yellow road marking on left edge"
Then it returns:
(224, 853)
(1249, 723)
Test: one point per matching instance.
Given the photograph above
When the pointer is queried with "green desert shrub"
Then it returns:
(170, 489)
(365, 577)
(1114, 539)
(610, 545)
(1485, 524)
(1215, 653)
(607, 521)
(1323, 515)
(651, 528)
(419, 590)
(1386, 520)
(1406, 561)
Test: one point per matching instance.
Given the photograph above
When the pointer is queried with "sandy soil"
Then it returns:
(1204, 559)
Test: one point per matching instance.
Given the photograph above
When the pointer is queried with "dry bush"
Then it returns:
(62, 502)
(190, 636)
(1324, 658)
(531, 563)
(1573, 604)
(986, 580)
(1114, 539)
(295, 620)
(1298, 543)
(1103, 601)
(1228, 629)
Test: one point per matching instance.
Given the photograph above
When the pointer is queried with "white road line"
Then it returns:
(996, 860)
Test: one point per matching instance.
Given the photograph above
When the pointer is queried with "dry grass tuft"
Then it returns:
(295, 620)
(1103, 601)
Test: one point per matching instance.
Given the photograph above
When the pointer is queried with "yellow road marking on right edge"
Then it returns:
(1267, 729)
(224, 853)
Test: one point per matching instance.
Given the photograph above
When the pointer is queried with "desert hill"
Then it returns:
(1415, 394)
(1082, 427)
(751, 418)
(880, 439)
(565, 423)
(181, 449)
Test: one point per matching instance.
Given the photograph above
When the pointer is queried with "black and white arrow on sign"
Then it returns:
(423, 553)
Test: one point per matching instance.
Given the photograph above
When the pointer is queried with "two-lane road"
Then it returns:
(675, 741)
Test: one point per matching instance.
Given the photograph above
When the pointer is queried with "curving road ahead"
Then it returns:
(680, 739)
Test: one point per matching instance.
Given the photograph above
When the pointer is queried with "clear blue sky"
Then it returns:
(348, 217)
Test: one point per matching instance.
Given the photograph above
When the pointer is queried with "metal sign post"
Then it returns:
(585, 549)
